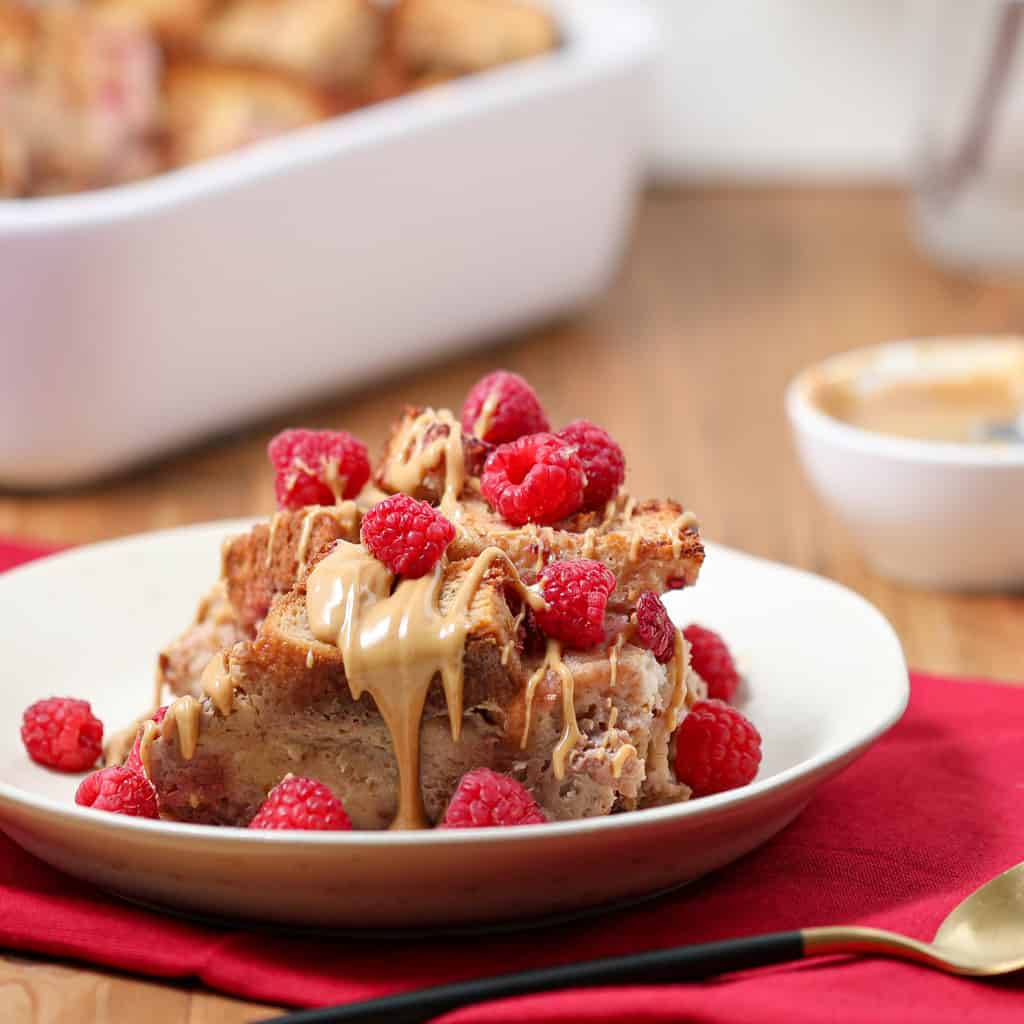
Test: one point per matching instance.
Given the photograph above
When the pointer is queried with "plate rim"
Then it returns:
(838, 756)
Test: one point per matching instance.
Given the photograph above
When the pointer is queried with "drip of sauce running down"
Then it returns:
(216, 682)
(486, 417)
(423, 455)
(665, 724)
(182, 719)
(393, 645)
(570, 729)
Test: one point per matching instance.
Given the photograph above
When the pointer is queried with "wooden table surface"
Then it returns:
(723, 296)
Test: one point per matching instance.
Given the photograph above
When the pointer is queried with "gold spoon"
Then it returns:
(982, 937)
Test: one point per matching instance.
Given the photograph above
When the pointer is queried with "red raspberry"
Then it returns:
(62, 733)
(316, 467)
(717, 748)
(535, 479)
(576, 594)
(119, 789)
(407, 535)
(654, 628)
(516, 410)
(711, 660)
(297, 803)
(134, 758)
(602, 459)
(484, 798)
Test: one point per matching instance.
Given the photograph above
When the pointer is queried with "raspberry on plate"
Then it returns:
(576, 594)
(603, 461)
(483, 799)
(535, 479)
(717, 748)
(297, 803)
(134, 758)
(62, 733)
(317, 467)
(711, 660)
(407, 535)
(654, 629)
(501, 407)
(120, 790)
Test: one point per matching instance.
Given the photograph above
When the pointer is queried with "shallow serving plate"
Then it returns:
(825, 676)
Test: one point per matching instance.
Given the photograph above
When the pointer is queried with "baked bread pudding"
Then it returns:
(95, 93)
(471, 633)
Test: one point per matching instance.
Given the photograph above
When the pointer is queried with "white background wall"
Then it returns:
(763, 89)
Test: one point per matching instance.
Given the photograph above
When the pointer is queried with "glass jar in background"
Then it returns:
(968, 163)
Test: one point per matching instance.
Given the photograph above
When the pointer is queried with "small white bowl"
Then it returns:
(931, 513)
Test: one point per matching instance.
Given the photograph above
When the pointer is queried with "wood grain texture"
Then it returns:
(32, 992)
(724, 295)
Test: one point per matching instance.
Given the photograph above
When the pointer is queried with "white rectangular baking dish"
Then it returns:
(139, 318)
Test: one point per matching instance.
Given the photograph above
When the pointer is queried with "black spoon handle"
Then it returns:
(681, 963)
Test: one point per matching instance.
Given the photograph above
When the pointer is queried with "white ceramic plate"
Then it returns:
(825, 672)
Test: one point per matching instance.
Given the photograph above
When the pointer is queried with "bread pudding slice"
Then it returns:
(389, 645)
(579, 729)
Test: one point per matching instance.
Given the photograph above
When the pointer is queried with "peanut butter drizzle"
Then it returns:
(408, 475)
(570, 729)
(677, 666)
(675, 532)
(613, 661)
(150, 730)
(486, 417)
(182, 718)
(344, 514)
(634, 545)
(622, 755)
(270, 536)
(665, 724)
(216, 682)
(303, 549)
(506, 650)
(393, 645)
(334, 480)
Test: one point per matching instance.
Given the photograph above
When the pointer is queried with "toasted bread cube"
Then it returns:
(211, 110)
(470, 35)
(331, 41)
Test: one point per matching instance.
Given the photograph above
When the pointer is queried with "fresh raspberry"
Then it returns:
(602, 459)
(119, 789)
(134, 758)
(535, 479)
(717, 748)
(484, 798)
(576, 594)
(407, 535)
(654, 628)
(315, 467)
(62, 733)
(297, 803)
(515, 409)
(711, 660)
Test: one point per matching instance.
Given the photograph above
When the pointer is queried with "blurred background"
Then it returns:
(224, 217)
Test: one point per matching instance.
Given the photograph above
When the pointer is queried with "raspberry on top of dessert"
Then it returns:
(475, 637)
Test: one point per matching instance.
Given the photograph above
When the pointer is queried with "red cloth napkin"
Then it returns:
(933, 810)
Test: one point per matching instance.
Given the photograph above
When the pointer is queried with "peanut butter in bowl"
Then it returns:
(943, 390)
(897, 440)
